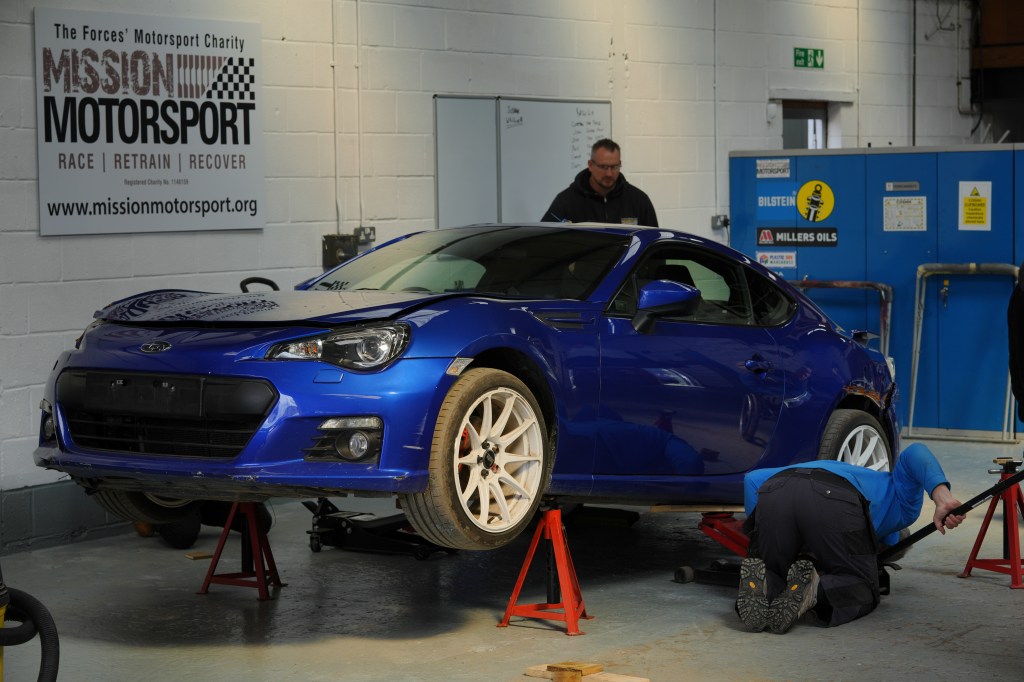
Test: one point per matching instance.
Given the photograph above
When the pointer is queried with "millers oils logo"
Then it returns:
(815, 201)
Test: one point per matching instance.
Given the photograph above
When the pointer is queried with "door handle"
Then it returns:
(757, 365)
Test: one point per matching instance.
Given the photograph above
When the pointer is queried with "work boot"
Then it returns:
(796, 599)
(752, 602)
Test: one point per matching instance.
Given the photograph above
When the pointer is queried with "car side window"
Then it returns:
(770, 305)
(722, 284)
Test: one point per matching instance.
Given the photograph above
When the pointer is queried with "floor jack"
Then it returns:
(725, 529)
(364, 532)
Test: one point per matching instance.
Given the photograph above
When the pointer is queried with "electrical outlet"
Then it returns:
(365, 234)
(719, 222)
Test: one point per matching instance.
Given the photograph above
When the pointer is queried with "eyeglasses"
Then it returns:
(608, 166)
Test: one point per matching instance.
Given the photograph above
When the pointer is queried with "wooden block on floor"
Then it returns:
(543, 672)
(576, 666)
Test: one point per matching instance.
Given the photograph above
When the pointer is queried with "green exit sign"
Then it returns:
(808, 58)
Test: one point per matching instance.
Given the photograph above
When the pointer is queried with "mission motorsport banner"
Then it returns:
(147, 124)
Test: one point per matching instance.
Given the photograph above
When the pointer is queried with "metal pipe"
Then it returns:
(924, 271)
(885, 294)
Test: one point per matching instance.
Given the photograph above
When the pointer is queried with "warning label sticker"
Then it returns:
(790, 236)
(976, 205)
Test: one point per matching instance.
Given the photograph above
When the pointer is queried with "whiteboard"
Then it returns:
(501, 159)
(543, 145)
(466, 158)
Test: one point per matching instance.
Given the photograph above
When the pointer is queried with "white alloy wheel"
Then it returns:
(490, 463)
(498, 461)
(856, 437)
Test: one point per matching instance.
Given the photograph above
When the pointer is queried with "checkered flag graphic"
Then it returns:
(235, 81)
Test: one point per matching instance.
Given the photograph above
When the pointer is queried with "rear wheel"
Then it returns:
(490, 462)
(856, 437)
(145, 507)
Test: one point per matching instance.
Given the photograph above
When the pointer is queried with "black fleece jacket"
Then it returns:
(579, 203)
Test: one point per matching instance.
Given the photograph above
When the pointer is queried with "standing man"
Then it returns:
(601, 194)
(814, 535)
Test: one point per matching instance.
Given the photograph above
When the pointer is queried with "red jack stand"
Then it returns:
(255, 550)
(1013, 501)
(571, 601)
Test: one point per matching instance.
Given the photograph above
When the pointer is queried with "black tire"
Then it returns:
(685, 574)
(856, 437)
(439, 513)
(136, 506)
(184, 533)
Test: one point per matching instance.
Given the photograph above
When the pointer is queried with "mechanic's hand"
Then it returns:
(945, 503)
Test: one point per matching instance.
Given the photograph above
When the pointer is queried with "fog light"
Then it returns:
(353, 439)
(47, 429)
(49, 432)
(358, 445)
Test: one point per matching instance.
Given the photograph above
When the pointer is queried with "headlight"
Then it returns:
(366, 348)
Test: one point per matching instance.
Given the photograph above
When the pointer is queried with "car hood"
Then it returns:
(260, 308)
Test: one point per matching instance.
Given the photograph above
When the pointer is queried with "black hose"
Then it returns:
(33, 609)
(34, 618)
(19, 634)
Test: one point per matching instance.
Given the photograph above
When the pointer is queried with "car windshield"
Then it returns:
(519, 261)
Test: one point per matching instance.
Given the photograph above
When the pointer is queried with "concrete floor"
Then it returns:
(126, 609)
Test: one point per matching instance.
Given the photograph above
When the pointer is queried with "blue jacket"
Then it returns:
(894, 498)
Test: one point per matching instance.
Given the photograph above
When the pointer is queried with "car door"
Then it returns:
(697, 394)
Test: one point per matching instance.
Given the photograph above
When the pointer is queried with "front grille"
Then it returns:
(170, 415)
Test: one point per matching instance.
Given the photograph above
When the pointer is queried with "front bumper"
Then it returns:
(405, 396)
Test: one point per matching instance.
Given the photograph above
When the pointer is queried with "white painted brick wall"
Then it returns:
(654, 59)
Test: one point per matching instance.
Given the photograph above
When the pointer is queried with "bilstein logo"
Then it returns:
(154, 347)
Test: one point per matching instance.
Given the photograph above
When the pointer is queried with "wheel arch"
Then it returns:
(855, 401)
(530, 373)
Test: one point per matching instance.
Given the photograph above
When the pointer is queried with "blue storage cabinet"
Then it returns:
(971, 335)
(892, 210)
(896, 248)
(772, 206)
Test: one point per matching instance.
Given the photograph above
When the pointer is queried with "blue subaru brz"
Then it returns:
(470, 372)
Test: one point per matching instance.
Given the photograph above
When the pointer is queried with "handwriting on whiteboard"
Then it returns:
(513, 117)
(587, 128)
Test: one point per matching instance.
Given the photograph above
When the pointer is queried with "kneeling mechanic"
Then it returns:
(814, 533)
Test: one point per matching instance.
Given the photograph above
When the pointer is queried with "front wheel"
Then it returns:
(490, 462)
(857, 438)
(145, 507)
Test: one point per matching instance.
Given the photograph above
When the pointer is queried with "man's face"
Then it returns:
(604, 170)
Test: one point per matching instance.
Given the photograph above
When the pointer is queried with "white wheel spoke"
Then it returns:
(475, 441)
(499, 499)
(483, 491)
(471, 485)
(513, 458)
(514, 484)
(499, 426)
(511, 437)
(487, 417)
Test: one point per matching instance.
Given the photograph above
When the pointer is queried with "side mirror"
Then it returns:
(662, 297)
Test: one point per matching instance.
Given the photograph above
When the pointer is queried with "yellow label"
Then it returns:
(815, 201)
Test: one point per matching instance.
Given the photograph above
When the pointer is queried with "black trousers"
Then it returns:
(812, 513)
